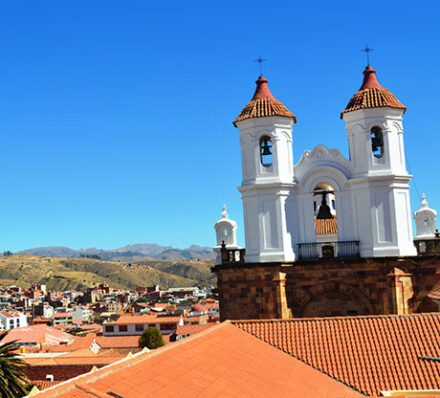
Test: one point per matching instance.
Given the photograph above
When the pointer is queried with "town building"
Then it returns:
(12, 319)
(327, 235)
(134, 325)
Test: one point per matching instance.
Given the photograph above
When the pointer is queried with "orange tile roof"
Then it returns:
(326, 226)
(372, 95)
(123, 342)
(77, 343)
(91, 326)
(143, 319)
(37, 334)
(263, 104)
(117, 341)
(193, 329)
(78, 357)
(222, 361)
(44, 384)
(369, 353)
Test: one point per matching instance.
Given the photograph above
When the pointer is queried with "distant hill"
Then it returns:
(136, 252)
(52, 251)
(78, 273)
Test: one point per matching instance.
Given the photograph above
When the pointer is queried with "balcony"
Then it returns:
(231, 255)
(316, 250)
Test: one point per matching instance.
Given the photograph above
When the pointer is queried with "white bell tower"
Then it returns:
(265, 127)
(380, 181)
(425, 220)
(226, 232)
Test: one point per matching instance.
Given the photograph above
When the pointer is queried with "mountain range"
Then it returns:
(136, 252)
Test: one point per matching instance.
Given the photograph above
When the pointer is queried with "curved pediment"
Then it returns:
(322, 162)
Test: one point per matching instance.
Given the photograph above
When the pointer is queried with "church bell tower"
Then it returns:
(379, 181)
(265, 127)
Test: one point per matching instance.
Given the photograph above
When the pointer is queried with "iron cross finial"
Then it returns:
(367, 50)
(260, 60)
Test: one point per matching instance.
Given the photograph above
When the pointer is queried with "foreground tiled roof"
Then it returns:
(326, 226)
(263, 104)
(372, 95)
(369, 353)
(223, 361)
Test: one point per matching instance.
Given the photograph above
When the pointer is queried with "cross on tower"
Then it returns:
(367, 50)
(260, 61)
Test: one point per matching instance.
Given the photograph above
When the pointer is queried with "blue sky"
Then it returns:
(116, 117)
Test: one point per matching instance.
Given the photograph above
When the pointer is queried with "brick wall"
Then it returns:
(60, 372)
(327, 288)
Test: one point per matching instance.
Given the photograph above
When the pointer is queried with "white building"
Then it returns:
(325, 205)
(12, 320)
(81, 313)
(132, 325)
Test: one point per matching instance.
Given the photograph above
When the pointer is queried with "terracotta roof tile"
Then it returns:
(44, 384)
(372, 95)
(143, 319)
(326, 226)
(41, 334)
(117, 341)
(263, 104)
(192, 329)
(369, 353)
(222, 361)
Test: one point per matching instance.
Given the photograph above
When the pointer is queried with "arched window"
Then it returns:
(266, 151)
(377, 142)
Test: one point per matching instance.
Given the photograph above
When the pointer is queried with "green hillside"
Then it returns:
(79, 273)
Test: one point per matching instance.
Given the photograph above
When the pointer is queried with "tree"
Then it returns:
(151, 338)
(142, 300)
(13, 381)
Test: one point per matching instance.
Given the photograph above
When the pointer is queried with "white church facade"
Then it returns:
(325, 205)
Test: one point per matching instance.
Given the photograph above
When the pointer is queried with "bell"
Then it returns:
(324, 210)
(265, 148)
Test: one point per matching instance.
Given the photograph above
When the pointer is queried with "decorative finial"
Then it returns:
(260, 60)
(367, 50)
(424, 202)
(224, 213)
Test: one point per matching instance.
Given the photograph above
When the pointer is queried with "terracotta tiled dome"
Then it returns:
(263, 104)
(372, 95)
(198, 308)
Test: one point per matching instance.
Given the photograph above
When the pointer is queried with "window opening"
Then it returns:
(377, 142)
(266, 151)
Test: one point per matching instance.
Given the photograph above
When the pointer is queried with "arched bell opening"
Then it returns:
(377, 142)
(324, 209)
(266, 155)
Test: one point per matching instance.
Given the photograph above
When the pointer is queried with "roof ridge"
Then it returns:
(343, 318)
